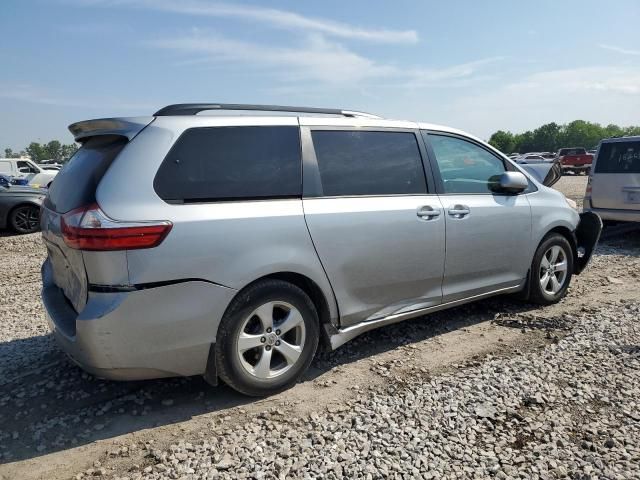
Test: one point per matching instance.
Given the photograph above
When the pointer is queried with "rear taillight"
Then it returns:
(588, 191)
(89, 228)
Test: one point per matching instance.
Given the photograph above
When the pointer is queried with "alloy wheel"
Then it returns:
(271, 340)
(26, 219)
(553, 270)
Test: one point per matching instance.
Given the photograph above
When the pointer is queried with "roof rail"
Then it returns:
(195, 108)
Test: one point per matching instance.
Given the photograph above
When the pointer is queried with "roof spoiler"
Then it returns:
(126, 127)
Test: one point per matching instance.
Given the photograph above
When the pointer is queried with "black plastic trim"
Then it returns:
(587, 235)
(145, 286)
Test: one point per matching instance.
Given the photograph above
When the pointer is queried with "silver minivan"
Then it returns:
(231, 246)
(613, 188)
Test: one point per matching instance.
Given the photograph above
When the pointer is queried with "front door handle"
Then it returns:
(428, 212)
(459, 211)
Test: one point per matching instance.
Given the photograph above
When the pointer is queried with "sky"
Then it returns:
(477, 66)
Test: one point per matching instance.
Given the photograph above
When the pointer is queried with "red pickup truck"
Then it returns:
(575, 159)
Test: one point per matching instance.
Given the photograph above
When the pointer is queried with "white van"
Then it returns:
(25, 168)
(613, 189)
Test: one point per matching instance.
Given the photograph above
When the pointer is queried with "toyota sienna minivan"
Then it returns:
(231, 246)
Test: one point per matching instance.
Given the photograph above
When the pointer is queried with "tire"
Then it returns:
(553, 252)
(249, 357)
(25, 219)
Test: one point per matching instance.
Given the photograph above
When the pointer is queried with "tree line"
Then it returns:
(551, 137)
(53, 150)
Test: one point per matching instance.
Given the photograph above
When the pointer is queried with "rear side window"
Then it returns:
(75, 185)
(619, 157)
(230, 163)
(368, 163)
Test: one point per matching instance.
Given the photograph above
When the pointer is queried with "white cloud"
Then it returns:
(600, 94)
(269, 16)
(316, 59)
(622, 50)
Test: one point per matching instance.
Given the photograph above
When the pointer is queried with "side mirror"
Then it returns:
(513, 182)
(24, 170)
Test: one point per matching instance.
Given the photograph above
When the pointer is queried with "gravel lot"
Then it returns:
(495, 389)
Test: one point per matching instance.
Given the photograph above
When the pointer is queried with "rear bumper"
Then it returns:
(151, 333)
(616, 215)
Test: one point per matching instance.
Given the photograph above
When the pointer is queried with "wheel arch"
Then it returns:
(307, 285)
(571, 238)
(569, 235)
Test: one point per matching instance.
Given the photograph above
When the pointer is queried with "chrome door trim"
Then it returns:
(342, 336)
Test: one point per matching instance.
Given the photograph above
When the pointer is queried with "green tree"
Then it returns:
(503, 141)
(36, 151)
(551, 136)
(545, 138)
(53, 150)
(68, 151)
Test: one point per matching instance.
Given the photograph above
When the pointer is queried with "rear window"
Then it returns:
(229, 163)
(368, 163)
(619, 157)
(572, 151)
(75, 185)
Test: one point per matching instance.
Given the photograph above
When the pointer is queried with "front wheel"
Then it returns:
(551, 270)
(25, 219)
(267, 338)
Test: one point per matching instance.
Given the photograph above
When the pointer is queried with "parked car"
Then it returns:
(24, 168)
(532, 158)
(6, 180)
(230, 246)
(20, 207)
(613, 188)
(575, 159)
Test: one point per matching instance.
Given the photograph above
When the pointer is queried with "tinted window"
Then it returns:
(619, 157)
(572, 151)
(464, 166)
(75, 185)
(368, 163)
(225, 163)
(26, 166)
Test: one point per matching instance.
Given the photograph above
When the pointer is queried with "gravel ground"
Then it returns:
(573, 186)
(495, 389)
(571, 410)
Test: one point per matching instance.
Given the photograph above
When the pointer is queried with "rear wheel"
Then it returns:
(25, 219)
(551, 270)
(267, 338)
